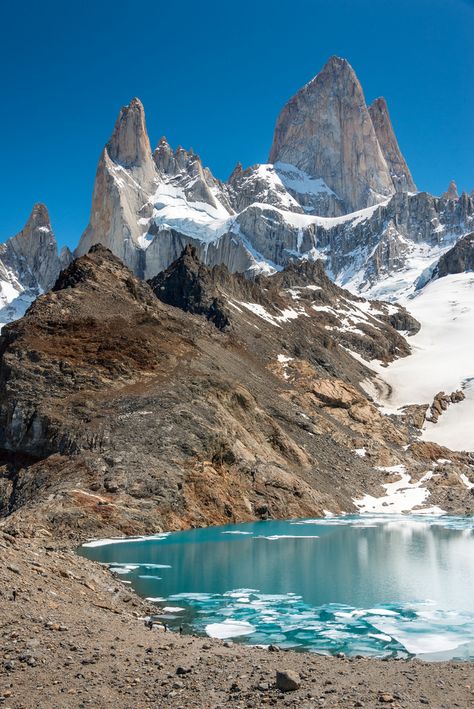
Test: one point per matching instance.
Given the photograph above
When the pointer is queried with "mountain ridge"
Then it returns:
(106, 390)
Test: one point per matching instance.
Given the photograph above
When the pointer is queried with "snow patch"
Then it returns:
(401, 496)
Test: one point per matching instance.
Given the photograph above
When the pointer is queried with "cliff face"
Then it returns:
(326, 130)
(458, 259)
(399, 171)
(124, 180)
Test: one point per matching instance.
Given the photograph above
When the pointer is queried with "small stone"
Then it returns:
(287, 680)
(183, 670)
(386, 698)
(13, 568)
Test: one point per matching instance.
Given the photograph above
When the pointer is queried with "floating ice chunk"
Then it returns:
(229, 629)
(125, 540)
(172, 609)
(274, 537)
(123, 568)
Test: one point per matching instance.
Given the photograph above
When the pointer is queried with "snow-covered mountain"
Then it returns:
(29, 265)
(148, 205)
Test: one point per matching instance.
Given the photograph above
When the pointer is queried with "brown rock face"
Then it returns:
(121, 413)
(124, 413)
(326, 130)
(399, 171)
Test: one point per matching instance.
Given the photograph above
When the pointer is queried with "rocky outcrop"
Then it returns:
(458, 259)
(452, 192)
(401, 176)
(184, 169)
(441, 402)
(36, 246)
(415, 415)
(326, 130)
(190, 285)
(282, 186)
(29, 264)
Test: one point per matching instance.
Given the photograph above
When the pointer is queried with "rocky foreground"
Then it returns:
(72, 636)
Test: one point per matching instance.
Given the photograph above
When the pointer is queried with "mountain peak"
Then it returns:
(400, 173)
(39, 217)
(452, 191)
(129, 145)
(328, 118)
(32, 256)
(337, 64)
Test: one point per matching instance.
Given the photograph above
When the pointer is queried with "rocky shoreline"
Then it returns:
(72, 636)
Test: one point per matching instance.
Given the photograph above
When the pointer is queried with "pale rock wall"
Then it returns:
(326, 130)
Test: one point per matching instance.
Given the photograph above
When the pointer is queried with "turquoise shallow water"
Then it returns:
(359, 584)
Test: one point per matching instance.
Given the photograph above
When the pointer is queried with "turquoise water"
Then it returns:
(358, 584)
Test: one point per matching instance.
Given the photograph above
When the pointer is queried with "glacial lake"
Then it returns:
(395, 586)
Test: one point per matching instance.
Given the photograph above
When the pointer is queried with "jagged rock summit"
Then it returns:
(124, 179)
(452, 192)
(399, 171)
(29, 264)
(327, 130)
(129, 145)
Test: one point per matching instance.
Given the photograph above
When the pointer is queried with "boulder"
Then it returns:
(287, 680)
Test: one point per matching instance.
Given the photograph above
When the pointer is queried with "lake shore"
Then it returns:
(72, 635)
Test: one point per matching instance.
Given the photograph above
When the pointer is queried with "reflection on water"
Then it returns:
(358, 584)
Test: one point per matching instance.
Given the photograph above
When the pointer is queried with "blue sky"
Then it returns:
(214, 75)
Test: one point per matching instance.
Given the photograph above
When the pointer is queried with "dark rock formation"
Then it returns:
(191, 286)
(458, 259)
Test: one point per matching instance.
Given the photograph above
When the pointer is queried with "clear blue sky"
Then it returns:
(214, 75)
